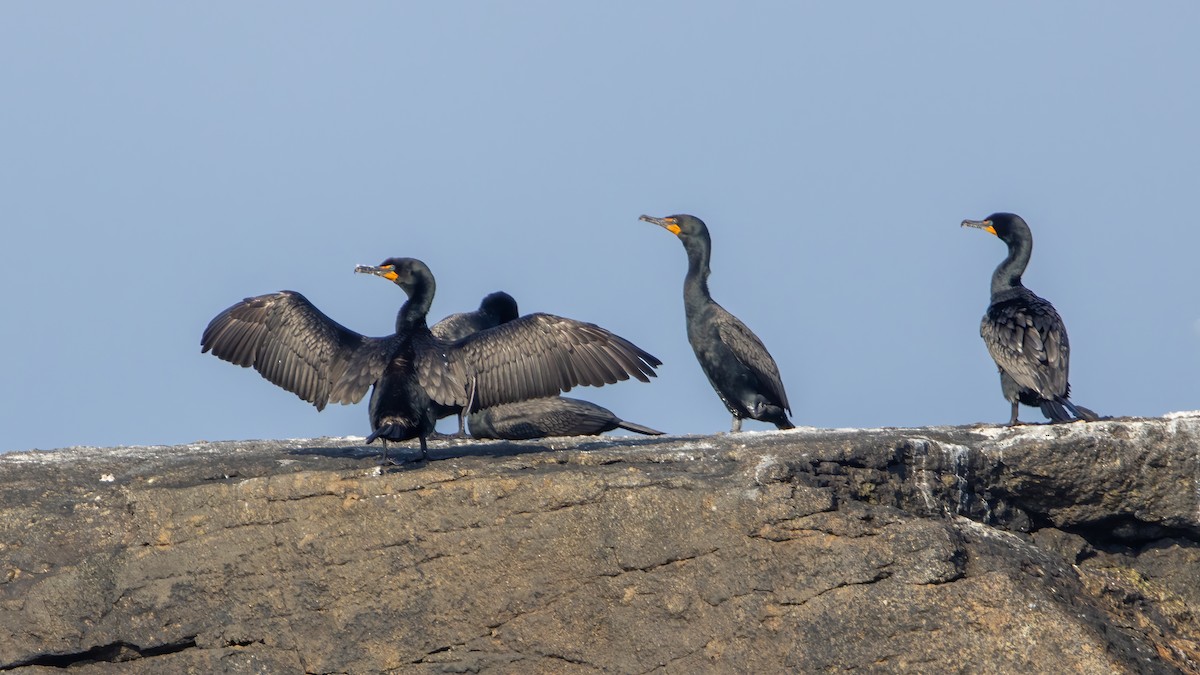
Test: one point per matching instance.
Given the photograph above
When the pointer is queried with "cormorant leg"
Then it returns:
(462, 413)
(424, 448)
(737, 425)
(1014, 422)
(384, 461)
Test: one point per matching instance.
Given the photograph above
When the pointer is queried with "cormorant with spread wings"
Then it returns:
(295, 346)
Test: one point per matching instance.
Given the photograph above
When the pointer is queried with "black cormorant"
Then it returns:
(535, 418)
(292, 344)
(542, 417)
(1023, 332)
(495, 309)
(737, 364)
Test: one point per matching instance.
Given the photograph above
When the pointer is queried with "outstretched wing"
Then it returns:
(541, 355)
(443, 377)
(294, 345)
(753, 354)
(1028, 340)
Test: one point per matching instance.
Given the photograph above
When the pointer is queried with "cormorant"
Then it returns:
(737, 364)
(542, 417)
(1023, 332)
(495, 309)
(293, 345)
(535, 418)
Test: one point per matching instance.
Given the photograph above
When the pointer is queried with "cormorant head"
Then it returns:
(1008, 226)
(407, 273)
(500, 305)
(681, 225)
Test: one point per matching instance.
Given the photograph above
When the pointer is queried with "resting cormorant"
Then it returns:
(535, 418)
(1023, 332)
(737, 364)
(292, 344)
(553, 416)
(495, 309)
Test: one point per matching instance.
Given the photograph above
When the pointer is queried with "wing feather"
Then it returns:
(294, 345)
(1028, 341)
(753, 354)
(541, 355)
(443, 378)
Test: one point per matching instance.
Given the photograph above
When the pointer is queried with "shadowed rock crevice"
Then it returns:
(116, 652)
(1071, 548)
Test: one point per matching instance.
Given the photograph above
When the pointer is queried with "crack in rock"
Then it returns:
(114, 652)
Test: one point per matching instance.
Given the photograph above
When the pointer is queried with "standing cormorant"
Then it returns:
(1023, 332)
(553, 416)
(737, 364)
(293, 345)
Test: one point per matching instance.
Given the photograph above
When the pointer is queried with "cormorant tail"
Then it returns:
(1054, 411)
(637, 428)
(1080, 412)
(388, 432)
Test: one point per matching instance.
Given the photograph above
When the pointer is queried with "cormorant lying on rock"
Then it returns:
(495, 309)
(543, 417)
(534, 418)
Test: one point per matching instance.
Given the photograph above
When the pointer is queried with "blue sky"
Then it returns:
(162, 161)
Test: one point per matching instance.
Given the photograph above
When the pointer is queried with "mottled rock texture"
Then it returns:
(1069, 549)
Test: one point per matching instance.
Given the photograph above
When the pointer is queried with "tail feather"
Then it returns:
(1054, 410)
(630, 426)
(1062, 410)
(1081, 412)
(389, 432)
(396, 432)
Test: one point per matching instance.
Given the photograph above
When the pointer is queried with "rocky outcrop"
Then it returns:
(1070, 548)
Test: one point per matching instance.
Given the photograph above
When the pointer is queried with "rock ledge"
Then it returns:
(1068, 548)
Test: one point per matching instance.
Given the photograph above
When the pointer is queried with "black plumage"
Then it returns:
(495, 309)
(737, 364)
(1023, 332)
(293, 345)
(543, 417)
(535, 418)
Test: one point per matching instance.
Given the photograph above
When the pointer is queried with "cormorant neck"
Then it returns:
(695, 284)
(414, 310)
(1008, 274)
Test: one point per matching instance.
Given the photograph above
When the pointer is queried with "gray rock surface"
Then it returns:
(1071, 548)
